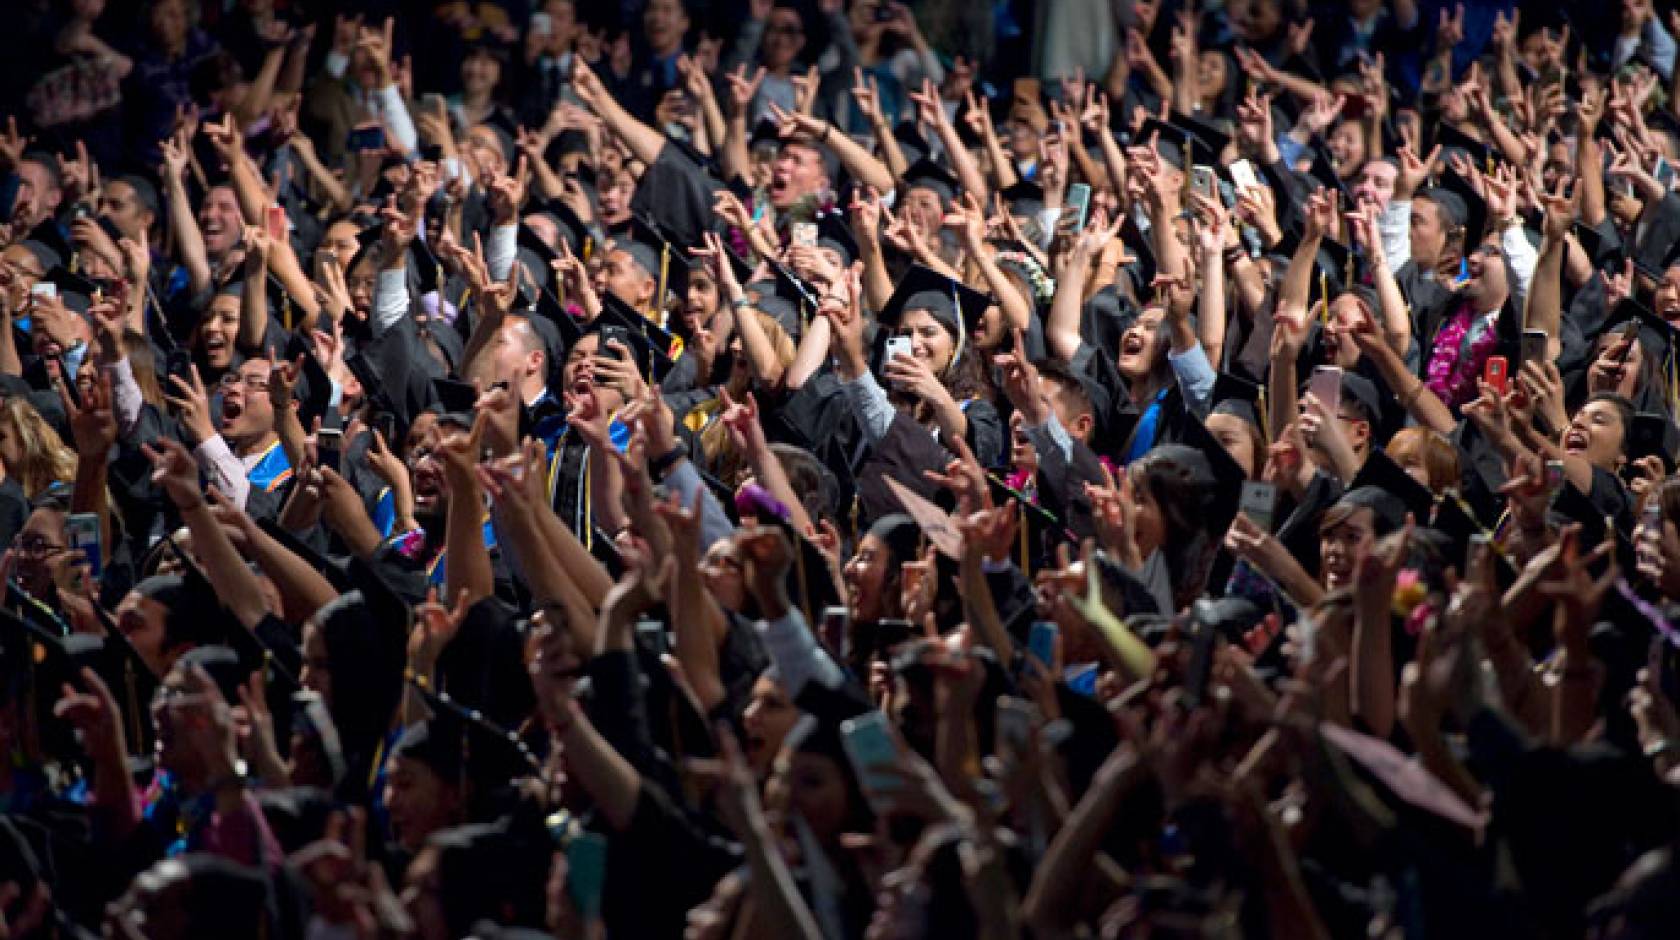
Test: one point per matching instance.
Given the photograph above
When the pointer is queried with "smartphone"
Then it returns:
(542, 24)
(609, 336)
(1326, 386)
(1651, 515)
(805, 233)
(329, 444)
(1015, 721)
(1243, 176)
(1041, 642)
(653, 635)
(366, 138)
(586, 873)
(432, 103)
(81, 530)
(1554, 475)
(178, 363)
(1258, 503)
(835, 629)
(274, 220)
(889, 633)
(43, 290)
(898, 346)
(1535, 343)
(1203, 181)
(1497, 374)
(869, 746)
(1664, 173)
(1203, 635)
(1647, 435)
(1079, 203)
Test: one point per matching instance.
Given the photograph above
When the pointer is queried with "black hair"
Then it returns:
(1624, 410)
(1054, 370)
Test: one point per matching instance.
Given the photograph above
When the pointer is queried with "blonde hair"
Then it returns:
(1438, 456)
(46, 459)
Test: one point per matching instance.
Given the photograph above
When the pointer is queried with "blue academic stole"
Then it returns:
(271, 470)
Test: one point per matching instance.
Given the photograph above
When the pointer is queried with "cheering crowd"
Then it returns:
(839, 468)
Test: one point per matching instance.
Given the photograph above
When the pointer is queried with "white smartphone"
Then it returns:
(1326, 386)
(44, 290)
(1203, 181)
(1243, 176)
(805, 233)
(542, 24)
(898, 346)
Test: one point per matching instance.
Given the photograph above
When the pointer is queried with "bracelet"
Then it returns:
(741, 303)
(662, 464)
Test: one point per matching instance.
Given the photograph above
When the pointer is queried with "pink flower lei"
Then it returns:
(1451, 374)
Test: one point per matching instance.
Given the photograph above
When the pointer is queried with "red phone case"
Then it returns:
(1495, 373)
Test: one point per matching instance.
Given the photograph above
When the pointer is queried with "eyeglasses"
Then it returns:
(254, 383)
(35, 546)
(785, 31)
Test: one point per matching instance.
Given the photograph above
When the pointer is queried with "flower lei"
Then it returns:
(1452, 373)
(1042, 284)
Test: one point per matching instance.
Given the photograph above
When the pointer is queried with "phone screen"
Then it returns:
(82, 531)
(1327, 387)
(870, 746)
(1041, 642)
(1258, 503)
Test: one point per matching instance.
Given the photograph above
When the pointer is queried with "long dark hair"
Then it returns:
(1169, 474)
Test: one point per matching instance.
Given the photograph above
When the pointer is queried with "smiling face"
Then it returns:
(929, 340)
(1596, 434)
(1340, 546)
(1668, 295)
(220, 222)
(702, 299)
(1139, 345)
(866, 578)
(218, 330)
(247, 413)
(1376, 183)
(1347, 147)
(1487, 287)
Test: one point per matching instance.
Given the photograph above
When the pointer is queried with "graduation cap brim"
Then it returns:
(1228, 475)
(1207, 140)
(1475, 208)
(74, 290)
(656, 255)
(1170, 142)
(573, 231)
(454, 396)
(834, 233)
(1023, 197)
(1450, 138)
(651, 361)
(1380, 471)
(1238, 397)
(926, 174)
(966, 302)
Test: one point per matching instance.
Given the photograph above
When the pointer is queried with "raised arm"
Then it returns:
(183, 225)
(644, 142)
(468, 569)
(1545, 293)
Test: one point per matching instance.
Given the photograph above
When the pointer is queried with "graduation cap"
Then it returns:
(1323, 171)
(37, 661)
(1224, 477)
(1380, 471)
(765, 133)
(1450, 138)
(1025, 198)
(455, 398)
(833, 233)
(1173, 141)
(1468, 215)
(573, 230)
(955, 305)
(1208, 140)
(926, 174)
(49, 244)
(636, 331)
(1591, 241)
(910, 141)
(1239, 398)
(664, 262)
(1658, 341)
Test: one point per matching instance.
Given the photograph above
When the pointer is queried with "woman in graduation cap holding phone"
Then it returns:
(932, 363)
